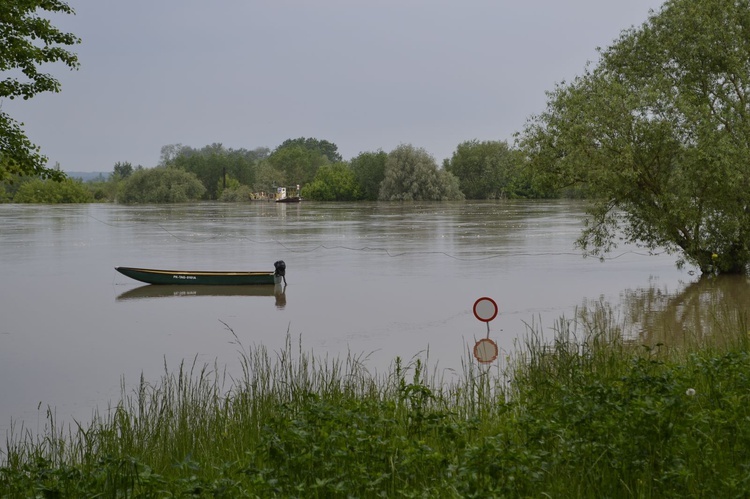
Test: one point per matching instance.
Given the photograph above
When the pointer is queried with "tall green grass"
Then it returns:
(588, 412)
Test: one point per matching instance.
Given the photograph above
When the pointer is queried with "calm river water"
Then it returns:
(381, 280)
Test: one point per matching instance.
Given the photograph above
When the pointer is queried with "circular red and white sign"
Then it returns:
(485, 350)
(485, 309)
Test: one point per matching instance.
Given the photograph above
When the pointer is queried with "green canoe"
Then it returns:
(208, 277)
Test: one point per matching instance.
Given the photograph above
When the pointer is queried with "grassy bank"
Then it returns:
(586, 415)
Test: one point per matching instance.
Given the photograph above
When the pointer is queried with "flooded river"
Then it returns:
(376, 280)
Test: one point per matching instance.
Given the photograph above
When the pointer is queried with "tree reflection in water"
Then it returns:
(708, 310)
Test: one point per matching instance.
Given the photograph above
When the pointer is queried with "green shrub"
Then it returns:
(160, 185)
(236, 194)
(52, 192)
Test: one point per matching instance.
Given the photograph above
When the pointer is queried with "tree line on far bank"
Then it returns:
(476, 170)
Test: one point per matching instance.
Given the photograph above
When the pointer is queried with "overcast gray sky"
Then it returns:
(363, 75)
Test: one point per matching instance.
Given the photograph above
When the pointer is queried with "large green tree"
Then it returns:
(122, 170)
(37, 190)
(268, 177)
(659, 131)
(214, 164)
(334, 182)
(369, 170)
(161, 185)
(486, 170)
(411, 174)
(27, 41)
(324, 147)
(298, 163)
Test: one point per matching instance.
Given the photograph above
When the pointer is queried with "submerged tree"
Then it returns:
(161, 185)
(411, 174)
(214, 164)
(298, 163)
(334, 182)
(68, 190)
(659, 131)
(369, 170)
(486, 170)
(28, 41)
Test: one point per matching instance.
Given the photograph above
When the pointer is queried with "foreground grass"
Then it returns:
(587, 415)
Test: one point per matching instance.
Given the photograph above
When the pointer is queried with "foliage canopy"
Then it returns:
(214, 164)
(334, 182)
(411, 174)
(297, 163)
(122, 170)
(29, 41)
(489, 170)
(161, 185)
(68, 190)
(369, 170)
(659, 132)
(320, 146)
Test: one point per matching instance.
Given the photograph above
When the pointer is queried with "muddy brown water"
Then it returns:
(377, 280)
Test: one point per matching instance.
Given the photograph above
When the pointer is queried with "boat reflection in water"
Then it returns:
(180, 290)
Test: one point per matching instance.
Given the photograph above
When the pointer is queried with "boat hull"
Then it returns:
(199, 277)
(294, 199)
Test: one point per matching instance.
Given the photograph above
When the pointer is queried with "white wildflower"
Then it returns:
(690, 392)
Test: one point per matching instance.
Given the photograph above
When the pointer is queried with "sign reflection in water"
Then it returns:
(375, 280)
